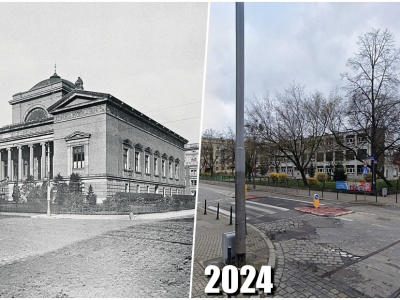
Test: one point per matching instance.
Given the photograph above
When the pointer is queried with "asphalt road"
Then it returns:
(355, 255)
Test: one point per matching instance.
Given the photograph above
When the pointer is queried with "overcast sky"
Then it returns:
(149, 55)
(308, 43)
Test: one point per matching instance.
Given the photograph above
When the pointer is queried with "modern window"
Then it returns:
(78, 157)
(349, 169)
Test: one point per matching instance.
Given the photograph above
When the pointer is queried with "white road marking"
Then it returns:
(267, 205)
(350, 220)
(364, 213)
(382, 226)
(223, 211)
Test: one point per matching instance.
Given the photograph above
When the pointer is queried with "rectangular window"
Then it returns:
(147, 164)
(125, 158)
(137, 161)
(155, 166)
(193, 182)
(350, 169)
(176, 172)
(78, 157)
(163, 168)
(170, 170)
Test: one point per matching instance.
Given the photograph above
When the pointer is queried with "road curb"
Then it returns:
(271, 248)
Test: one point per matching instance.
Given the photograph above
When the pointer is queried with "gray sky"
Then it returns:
(308, 43)
(149, 55)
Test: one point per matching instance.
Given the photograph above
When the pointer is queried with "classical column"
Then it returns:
(43, 161)
(9, 164)
(20, 164)
(31, 160)
(1, 167)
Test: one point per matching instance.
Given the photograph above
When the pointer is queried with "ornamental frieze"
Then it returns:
(33, 130)
(80, 113)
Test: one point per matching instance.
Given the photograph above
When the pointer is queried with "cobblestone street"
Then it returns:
(95, 258)
(329, 256)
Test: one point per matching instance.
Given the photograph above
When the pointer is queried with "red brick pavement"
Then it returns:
(324, 210)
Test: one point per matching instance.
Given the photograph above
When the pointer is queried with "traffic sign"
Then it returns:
(365, 170)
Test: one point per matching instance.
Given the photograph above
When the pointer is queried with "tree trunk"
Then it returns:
(378, 172)
(303, 176)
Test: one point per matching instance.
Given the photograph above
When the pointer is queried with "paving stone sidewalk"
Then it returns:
(208, 248)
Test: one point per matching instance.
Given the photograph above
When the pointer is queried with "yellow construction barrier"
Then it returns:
(245, 190)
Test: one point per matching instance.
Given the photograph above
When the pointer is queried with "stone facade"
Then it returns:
(112, 146)
(191, 168)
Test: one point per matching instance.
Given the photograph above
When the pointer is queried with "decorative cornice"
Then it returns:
(77, 135)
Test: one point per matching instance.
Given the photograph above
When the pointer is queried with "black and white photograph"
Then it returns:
(299, 176)
(99, 143)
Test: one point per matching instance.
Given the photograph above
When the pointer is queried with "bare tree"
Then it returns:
(372, 108)
(294, 123)
(228, 149)
(210, 150)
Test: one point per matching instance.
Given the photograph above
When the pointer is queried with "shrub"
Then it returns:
(312, 181)
(311, 171)
(74, 201)
(368, 177)
(273, 176)
(339, 173)
(75, 183)
(16, 195)
(282, 177)
(91, 197)
(61, 189)
(321, 177)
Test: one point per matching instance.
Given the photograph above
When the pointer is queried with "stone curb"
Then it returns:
(271, 248)
(325, 214)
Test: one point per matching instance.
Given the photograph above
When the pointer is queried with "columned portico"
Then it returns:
(23, 160)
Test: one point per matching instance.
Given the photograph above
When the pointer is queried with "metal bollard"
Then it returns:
(245, 223)
(229, 255)
(205, 206)
(217, 212)
(230, 219)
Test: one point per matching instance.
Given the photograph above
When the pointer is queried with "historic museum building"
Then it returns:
(60, 128)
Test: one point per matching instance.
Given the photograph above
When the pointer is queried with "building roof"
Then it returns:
(53, 79)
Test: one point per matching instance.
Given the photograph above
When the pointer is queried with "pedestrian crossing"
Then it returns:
(253, 209)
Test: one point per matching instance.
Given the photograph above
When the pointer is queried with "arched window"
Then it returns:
(36, 114)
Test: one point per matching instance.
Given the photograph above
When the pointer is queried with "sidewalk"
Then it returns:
(208, 248)
(155, 216)
(262, 191)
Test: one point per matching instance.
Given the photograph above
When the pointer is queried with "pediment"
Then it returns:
(77, 135)
(76, 99)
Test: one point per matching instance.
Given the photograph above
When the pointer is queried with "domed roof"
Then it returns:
(53, 79)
